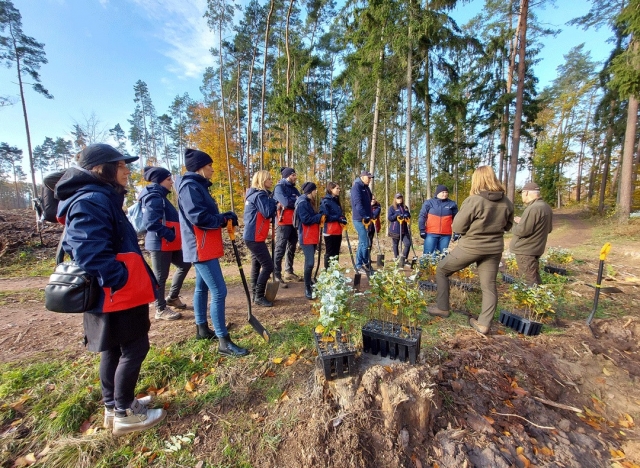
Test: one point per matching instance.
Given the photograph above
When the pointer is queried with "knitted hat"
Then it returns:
(156, 174)
(195, 159)
(100, 153)
(441, 188)
(308, 187)
(287, 171)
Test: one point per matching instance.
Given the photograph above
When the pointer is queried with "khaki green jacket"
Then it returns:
(530, 234)
(482, 221)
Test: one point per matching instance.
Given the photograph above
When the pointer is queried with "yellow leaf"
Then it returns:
(327, 339)
(605, 371)
(524, 460)
(189, 386)
(30, 458)
(320, 329)
(388, 369)
(519, 450)
(546, 451)
(292, 358)
(489, 419)
(394, 311)
(277, 360)
(284, 396)
(507, 433)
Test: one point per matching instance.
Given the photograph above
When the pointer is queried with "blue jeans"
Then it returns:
(362, 254)
(435, 242)
(209, 278)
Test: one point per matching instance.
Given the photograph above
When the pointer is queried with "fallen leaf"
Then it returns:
(546, 451)
(616, 453)
(85, 427)
(506, 433)
(269, 373)
(277, 360)
(53, 415)
(30, 458)
(284, 396)
(152, 457)
(293, 357)
(388, 369)
(520, 391)
(519, 450)
(605, 371)
(44, 452)
(489, 419)
(320, 329)
(524, 460)
(508, 403)
(189, 386)
(327, 339)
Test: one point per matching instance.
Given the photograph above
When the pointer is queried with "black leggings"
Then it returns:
(332, 244)
(261, 262)
(119, 371)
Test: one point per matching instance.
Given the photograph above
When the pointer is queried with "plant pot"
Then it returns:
(529, 327)
(392, 340)
(428, 285)
(336, 359)
(505, 317)
(554, 269)
(508, 278)
(463, 285)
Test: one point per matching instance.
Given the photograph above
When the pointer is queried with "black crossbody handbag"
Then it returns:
(70, 289)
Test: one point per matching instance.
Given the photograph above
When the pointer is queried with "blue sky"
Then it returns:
(98, 49)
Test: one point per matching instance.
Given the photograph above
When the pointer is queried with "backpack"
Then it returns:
(135, 213)
(46, 205)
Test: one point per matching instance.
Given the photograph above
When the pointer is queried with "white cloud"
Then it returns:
(183, 28)
(104, 3)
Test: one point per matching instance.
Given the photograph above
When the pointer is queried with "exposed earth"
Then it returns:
(566, 399)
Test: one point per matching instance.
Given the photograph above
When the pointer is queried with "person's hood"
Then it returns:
(492, 196)
(153, 189)
(253, 192)
(77, 181)
(195, 177)
(302, 199)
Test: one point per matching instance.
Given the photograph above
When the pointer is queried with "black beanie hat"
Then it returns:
(441, 188)
(287, 171)
(156, 174)
(195, 159)
(100, 153)
(308, 187)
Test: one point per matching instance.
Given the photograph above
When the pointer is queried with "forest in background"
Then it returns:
(392, 86)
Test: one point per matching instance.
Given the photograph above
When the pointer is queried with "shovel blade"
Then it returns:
(400, 261)
(271, 291)
(380, 261)
(257, 326)
(356, 281)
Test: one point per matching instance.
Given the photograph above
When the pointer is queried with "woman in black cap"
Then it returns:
(308, 222)
(398, 215)
(163, 240)
(99, 237)
(435, 219)
(201, 225)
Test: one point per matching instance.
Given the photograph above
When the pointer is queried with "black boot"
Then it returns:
(259, 298)
(229, 348)
(203, 332)
(307, 282)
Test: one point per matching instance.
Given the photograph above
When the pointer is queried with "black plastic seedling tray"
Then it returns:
(391, 341)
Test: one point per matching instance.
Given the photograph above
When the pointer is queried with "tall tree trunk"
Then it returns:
(515, 144)
(250, 114)
(626, 171)
(427, 122)
(407, 156)
(287, 154)
(264, 82)
(583, 144)
(504, 128)
(26, 123)
(376, 117)
(224, 118)
(607, 161)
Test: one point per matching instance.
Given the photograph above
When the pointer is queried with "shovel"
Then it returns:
(257, 326)
(273, 285)
(357, 276)
(380, 259)
(319, 248)
(414, 260)
(603, 255)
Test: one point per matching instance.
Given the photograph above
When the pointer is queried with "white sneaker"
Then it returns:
(109, 413)
(137, 418)
(167, 314)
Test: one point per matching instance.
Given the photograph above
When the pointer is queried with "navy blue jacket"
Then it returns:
(97, 229)
(307, 216)
(259, 209)
(394, 224)
(156, 209)
(360, 201)
(197, 208)
(331, 208)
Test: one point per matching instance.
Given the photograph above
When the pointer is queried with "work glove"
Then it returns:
(171, 235)
(423, 235)
(456, 236)
(406, 216)
(230, 215)
(343, 220)
(366, 219)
